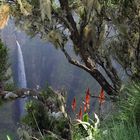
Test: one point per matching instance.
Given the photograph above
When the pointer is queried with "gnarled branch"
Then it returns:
(74, 62)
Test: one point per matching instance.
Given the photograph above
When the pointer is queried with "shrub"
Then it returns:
(46, 115)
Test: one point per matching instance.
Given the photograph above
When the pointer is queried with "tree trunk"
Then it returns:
(97, 75)
(103, 82)
(80, 43)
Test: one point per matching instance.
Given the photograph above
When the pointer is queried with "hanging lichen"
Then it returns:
(25, 7)
(45, 8)
(4, 15)
(55, 37)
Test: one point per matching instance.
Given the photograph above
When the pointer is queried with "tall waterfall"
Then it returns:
(22, 83)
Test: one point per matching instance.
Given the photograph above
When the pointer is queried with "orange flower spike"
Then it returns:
(85, 107)
(87, 97)
(80, 115)
(102, 96)
(73, 104)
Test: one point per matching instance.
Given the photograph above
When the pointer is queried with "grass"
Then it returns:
(121, 131)
(125, 125)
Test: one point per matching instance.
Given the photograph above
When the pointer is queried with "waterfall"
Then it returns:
(22, 83)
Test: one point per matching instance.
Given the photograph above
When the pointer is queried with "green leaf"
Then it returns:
(85, 117)
(8, 138)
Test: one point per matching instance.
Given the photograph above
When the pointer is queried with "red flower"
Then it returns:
(102, 96)
(80, 115)
(85, 107)
(87, 97)
(87, 100)
(73, 105)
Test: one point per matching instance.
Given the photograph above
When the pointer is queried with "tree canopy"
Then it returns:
(100, 32)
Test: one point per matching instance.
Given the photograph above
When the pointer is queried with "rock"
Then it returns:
(57, 115)
(10, 95)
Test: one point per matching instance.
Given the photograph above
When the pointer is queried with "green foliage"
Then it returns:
(45, 116)
(47, 92)
(120, 131)
(37, 110)
(10, 87)
(86, 129)
(7, 135)
(8, 138)
(3, 65)
(85, 117)
(130, 104)
(124, 123)
(3, 59)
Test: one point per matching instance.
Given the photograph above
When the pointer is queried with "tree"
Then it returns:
(100, 33)
(4, 65)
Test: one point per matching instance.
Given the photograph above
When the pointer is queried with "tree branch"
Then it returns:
(97, 97)
(111, 72)
(74, 62)
(74, 33)
(94, 73)
(65, 7)
(62, 20)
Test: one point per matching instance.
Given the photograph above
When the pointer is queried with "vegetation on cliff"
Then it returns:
(4, 66)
